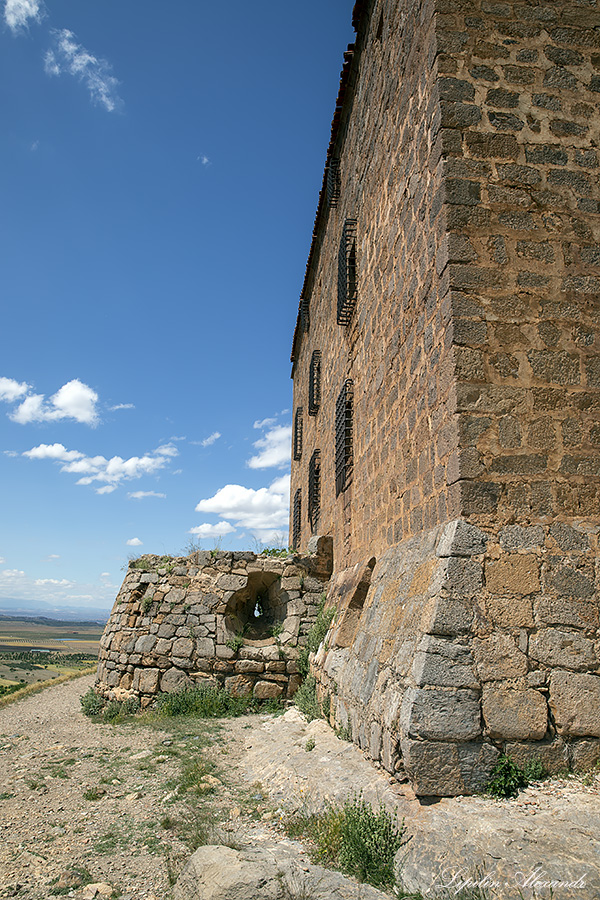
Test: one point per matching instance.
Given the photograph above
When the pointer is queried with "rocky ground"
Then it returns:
(121, 806)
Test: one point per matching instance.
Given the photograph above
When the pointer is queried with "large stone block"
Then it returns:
(442, 769)
(567, 649)
(441, 715)
(553, 754)
(514, 574)
(174, 680)
(575, 703)
(498, 657)
(513, 715)
(443, 663)
(146, 680)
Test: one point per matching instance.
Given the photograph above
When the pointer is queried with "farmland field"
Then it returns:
(37, 650)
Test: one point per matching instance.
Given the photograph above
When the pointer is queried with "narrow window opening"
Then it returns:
(314, 384)
(344, 458)
(305, 313)
(334, 182)
(297, 520)
(314, 490)
(347, 288)
(298, 433)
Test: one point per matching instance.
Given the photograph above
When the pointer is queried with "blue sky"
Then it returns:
(159, 174)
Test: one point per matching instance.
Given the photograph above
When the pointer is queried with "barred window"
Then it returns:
(314, 490)
(305, 313)
(333, 181)
(298, 428)
(297, 520)
(344, 458)
(314, 383)
(347, 290)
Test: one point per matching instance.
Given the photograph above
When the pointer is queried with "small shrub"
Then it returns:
(535, 769)
(236, 643)
(91, 703)
(305, 698)
(93, 793)
(507, 778)
(111, 711)
(315, 635)
(202, 701)
(310, 745)
(355, 838)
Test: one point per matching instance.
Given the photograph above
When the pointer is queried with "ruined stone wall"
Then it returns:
(234, 619)
(466, 545)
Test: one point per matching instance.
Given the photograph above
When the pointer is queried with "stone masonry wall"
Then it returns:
(235, 619)
(467, 572)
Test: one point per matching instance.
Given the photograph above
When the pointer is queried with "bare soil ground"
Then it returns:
(126, 804)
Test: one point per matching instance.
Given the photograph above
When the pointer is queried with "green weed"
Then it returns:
(507, 778)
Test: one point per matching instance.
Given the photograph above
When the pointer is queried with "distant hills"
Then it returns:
(46, 613)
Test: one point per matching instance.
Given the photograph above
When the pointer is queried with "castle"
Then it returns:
(446, 419)
(446, 368)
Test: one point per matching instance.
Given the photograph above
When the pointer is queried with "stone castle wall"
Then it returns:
(466, 138)
(234, 619)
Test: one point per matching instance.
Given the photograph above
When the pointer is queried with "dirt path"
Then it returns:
(126, 804)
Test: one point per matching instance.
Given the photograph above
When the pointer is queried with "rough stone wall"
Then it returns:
(466, 547)
(235, 619)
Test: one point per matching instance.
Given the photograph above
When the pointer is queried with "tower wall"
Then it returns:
(465, 536)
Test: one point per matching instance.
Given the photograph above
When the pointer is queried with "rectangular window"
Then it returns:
(314, 490)
(314, 384)
(344, 458)
(333, 181)
(347, 290)
(298, 427)
(305, 313)
(297, 520)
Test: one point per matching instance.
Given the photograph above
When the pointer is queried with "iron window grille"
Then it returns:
(298, 433)
(297, 519)
(314, 383)
(344, 458)
(347, 289)
(314, 490)
(334, 181)
(305, 313)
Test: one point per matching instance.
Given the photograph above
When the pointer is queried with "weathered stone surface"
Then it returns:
(174, 680)
(553, 754)
(514, 715)
(585, 755)
(443, 663)
(441, 715)
(574, 702)
(514, 574)
(267, 690)
(183, 647)
(146, 680)
(445, 769)
(567, 649)
(458, 538)
(239, 685)
(498, 657)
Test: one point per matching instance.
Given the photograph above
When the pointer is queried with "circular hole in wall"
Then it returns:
(258, 610)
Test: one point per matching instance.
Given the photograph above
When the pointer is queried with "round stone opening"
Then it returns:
(258, 610)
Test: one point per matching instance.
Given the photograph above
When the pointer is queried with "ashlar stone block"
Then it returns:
(513, 714)
(575, 701)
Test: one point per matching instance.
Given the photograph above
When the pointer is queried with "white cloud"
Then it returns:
(206, 530)
(13, 573)
(104, 574)
(11, 453)
(264, 423)
(262, 511)
(53, 556)
(11, 390)
(274, 447)
(121, 406)
(74, 400)
(108, 472)
(70, 57)
(18, 12)
(134, 542)
(2, 560)
(211, 439)
(140, 495)
(203, 159)
(62, 583)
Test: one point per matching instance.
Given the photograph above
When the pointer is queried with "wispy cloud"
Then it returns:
(134, 542)
(263, 511)
(64, 582)
(11, 390)
(207, 530)
(204, 160)
(17, 13)
(13, 573)
(73, 400)
(274, 447)
(141, 495)
(108, 472)
(53, 556)
(211, 439)
(121, 406)
(67, 56)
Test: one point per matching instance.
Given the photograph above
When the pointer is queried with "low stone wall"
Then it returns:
(237, 619)
(462, 643)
